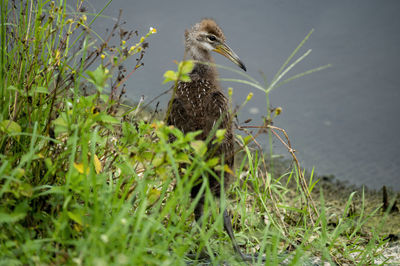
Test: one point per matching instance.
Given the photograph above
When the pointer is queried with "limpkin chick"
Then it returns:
(201, 105)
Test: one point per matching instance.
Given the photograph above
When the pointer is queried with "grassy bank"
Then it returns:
(83, 182)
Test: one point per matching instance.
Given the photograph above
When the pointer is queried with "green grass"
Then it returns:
(84, 180)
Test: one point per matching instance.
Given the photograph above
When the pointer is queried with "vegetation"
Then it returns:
(85, 180)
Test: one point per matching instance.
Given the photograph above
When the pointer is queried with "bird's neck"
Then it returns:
(202, 70)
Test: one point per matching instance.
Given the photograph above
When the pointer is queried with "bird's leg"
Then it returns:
(198, 209)
(198, 216)
(229, 229)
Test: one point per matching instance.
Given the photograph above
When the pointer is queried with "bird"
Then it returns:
(200, 104)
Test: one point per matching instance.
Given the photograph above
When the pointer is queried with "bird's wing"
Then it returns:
(220, 117)
(217, 111)
(177, 114)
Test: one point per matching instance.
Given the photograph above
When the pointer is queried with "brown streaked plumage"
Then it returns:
(201, 104)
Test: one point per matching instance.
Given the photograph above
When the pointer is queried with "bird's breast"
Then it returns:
(195, 96)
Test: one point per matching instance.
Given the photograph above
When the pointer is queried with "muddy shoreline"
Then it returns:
(384, 202)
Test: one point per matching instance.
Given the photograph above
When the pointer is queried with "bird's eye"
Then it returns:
(212, 38)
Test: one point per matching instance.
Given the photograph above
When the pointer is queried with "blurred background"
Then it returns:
(343, 120)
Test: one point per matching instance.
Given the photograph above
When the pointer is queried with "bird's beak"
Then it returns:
(226, 51)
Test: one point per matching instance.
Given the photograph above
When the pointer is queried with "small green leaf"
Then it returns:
(153, 196)
(199, 147)
(61, 125)
(186, 67)
(19, 172)
(11, 218)
(49, 163)
(192, 135)
(220, 134)
(99, 77)
(170, 76)
(182, 158)
(17, 214)
(9, 126)
(60, 122)
(158, 159)
(247, 139)
(26, 190)
(163, 172)
(76, 217)
(107, 119)
(185, 78)
(213, 162)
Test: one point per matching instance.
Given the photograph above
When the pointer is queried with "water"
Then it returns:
(343, 120)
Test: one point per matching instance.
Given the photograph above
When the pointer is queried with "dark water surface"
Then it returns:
(343, 120)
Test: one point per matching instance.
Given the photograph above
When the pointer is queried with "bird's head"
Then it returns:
(207, 36)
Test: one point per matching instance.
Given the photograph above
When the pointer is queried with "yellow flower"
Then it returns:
(103, 56)
(57, 55)
(132, 48)
(152, 30)
(84, 18)
(230, 91)
(123, 42)
(278, 110)
(79, 167)
(249, 96)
